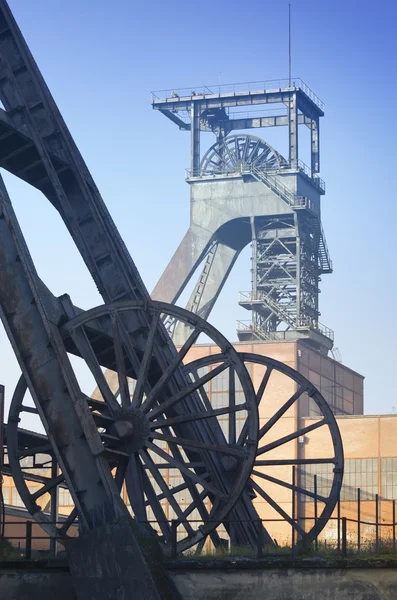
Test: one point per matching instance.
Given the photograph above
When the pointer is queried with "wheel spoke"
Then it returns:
(134, 483)
(29, 409)
(146, 458)
(232, 404)
(120, 475)
(164, 406)
(176, 464)
(290, 437)
(259, 396)
(294, 461)
(273, 420)
(83, 345)
(159, 424)
(195, 444)
(289, 486)
(174, 490)
(156, 507)
(142, 377)
(188, 511)
(68, 522)
(263, 384)
(48, 486)
(276, 507)
(170, 370)
(177, 456)
(120, 363)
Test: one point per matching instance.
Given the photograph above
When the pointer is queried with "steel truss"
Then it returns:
(98, 444)
(286, 274)
(37, 147)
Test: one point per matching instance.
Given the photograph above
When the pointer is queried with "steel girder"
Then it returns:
(37, 147)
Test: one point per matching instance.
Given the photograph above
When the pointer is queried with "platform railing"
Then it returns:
(246, 326)
(268, 170)
(271, 85)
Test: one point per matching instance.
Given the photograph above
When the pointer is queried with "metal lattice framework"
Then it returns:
(94, 446)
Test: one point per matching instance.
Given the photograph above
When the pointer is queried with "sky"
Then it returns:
(101, 61)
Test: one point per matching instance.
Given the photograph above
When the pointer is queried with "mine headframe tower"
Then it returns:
(244, 191)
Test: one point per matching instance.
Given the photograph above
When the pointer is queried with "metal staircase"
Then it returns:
(296, 202)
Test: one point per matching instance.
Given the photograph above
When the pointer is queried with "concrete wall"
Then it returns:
(288, 584)
(17, 584)
(228, 584)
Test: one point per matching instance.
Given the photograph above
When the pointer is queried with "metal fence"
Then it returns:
(238, 88)
(31, 541)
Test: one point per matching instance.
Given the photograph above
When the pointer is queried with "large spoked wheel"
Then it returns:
(283, 396)
(166, 445)
(238, 151)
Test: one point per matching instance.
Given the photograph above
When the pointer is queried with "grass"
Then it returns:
(7, 550)
(369, 551)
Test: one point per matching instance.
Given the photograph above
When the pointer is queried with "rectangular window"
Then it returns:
(389, 478)
(358, 473)
(65, 497)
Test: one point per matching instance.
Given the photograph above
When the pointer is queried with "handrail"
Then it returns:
(304, 323)
(271, 85)
(302, 167)
(271, 181)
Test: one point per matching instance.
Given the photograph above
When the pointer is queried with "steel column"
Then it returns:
(195, 139)
(315, 145)
(293, 130)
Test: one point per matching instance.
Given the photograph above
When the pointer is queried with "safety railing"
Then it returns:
(268, 170)
(250, 87)
(246, 326)
(314, 177)
(316, 326)
(28, 539)
(369, 528)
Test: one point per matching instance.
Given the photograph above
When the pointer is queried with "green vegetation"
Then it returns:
(369, 551)
(7, 551)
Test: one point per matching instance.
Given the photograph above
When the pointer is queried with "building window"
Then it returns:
(16, 499)
(359, 473)
(389, 478)
(65, 497)
(325, 476)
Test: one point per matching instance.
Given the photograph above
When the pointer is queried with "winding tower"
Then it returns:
(243, 191)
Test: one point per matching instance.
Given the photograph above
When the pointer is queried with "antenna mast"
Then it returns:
(289, 45)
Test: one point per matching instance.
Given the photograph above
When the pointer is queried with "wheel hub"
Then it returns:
(132, 426)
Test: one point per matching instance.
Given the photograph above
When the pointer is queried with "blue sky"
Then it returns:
(101, 61)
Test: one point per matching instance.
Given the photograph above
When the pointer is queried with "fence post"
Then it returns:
(54, 506)
(339, 521)
(174, 527)
(259, 540)
(377, 522)
(358, 519)
(315, 514)
(28, 542)
(293, 515)
(344, 536)
(394, 524)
